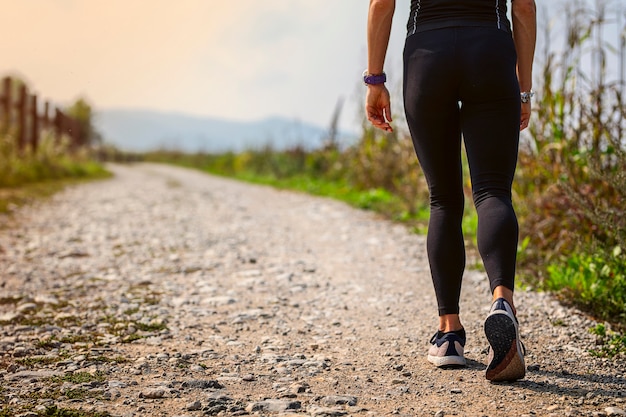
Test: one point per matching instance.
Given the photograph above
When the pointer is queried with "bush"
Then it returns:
(595, 282)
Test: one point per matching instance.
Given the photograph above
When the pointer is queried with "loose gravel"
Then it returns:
(168, 292)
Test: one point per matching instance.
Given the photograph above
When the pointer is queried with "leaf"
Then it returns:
(617, 251)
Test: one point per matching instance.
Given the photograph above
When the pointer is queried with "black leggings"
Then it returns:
(462, 81)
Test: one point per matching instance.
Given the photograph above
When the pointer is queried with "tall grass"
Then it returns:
(572, 179)
(51, 161)
(25, 174)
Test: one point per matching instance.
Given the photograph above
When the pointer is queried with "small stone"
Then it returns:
(30, 375)
(152, 394)
(553, 407)
(20, 352)
(194, 406)
(26, 308)
(219, 301)
(273, 406)
(298, 388)
(339, 400)
(10, 317)
(249, 378)
(440, 413)
(614, 411)
(219, 397)
(456, 391)
(328, 412)
(46, 299)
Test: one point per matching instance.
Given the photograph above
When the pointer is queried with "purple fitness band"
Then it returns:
(374, 79)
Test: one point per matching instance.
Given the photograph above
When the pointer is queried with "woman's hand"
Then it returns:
(378, 107)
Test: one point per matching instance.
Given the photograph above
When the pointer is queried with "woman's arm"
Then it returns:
(524, 13)
(377, 102)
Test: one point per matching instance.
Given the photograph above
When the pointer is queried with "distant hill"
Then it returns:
(145, 130)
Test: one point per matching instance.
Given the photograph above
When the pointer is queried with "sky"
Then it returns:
(239, 60)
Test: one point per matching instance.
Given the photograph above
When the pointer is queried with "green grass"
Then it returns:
(150, 327)
(594, 282)
(79, 378)
(54, 411)
(19, 195)
(117, 359)
(35, 361)
(26, 175)
(611, 343)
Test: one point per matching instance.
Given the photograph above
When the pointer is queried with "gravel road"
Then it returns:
(167, 292)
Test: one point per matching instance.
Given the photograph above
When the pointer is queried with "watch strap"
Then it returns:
(374, 79)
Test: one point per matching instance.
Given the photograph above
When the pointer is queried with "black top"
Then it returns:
(437, 14)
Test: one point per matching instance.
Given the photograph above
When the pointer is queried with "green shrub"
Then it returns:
(51, 161)
(595, 282)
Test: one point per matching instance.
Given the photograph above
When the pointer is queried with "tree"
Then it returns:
(82, 112)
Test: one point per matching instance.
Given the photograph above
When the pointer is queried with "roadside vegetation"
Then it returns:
(570, 188)
(26, 174)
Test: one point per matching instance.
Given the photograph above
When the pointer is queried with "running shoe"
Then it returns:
(447, 349)
(506, 353)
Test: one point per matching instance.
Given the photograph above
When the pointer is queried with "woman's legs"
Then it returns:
(477, 67)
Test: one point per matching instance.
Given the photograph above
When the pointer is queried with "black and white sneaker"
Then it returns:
(447, 349)
(506, 353)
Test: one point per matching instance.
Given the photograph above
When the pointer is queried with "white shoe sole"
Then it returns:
(442, 361)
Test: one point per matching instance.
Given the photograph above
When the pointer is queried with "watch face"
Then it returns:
(526, 96)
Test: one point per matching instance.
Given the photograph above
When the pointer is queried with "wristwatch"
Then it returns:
(374, 79)
(525, 96)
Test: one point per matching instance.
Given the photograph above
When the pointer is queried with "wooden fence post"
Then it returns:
(58, 125)
(45, 117)
(7, 101)
(34, 139)
(21, 117)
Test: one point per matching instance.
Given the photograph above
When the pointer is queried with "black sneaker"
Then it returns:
(506, 353)
(447, 349)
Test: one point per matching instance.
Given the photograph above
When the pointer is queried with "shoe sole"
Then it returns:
(503, 337)
(447, 361)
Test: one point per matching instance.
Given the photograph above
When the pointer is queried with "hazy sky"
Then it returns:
(238, 59)
(244, 59)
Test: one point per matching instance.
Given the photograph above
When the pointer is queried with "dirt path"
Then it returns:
(167, 292)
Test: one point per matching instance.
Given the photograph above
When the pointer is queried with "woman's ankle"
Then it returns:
(450, 323)
(503, 292)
